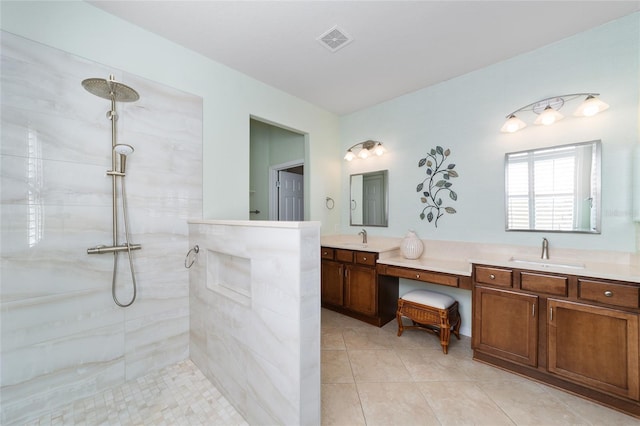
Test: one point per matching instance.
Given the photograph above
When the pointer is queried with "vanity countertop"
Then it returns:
(461, 255)
(354, 242)
(622, 272)
(611, 271)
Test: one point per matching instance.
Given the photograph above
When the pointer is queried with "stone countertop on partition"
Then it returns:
(256, 223)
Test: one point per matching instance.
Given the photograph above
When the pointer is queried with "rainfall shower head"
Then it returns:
(110, 89)
(123, 150)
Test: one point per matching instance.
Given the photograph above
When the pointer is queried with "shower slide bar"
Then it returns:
(113, 249)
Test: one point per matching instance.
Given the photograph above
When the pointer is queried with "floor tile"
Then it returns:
(331, 338)
(341, 405)
(432, 366)
(462, 403)
(377, 366)
(527, 403)
(178, 394)
(335, 367)
(591, 412)
(395, 404)
(367, 339)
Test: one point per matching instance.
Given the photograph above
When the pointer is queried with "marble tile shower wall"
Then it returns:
(63, 337)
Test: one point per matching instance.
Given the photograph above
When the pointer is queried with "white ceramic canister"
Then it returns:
(411, 246)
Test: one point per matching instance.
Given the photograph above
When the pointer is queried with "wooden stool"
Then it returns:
(430, 311)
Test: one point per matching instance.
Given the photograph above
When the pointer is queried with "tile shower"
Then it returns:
(63, 338)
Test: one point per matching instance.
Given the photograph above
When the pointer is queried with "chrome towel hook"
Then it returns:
(193, 254)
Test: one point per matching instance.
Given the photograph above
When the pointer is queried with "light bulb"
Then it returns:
(590, 107)
(349, 156)
(513, 124)
(364, 153)
(379, 150)
(548, 116)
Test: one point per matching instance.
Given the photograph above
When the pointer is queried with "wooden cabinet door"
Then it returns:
(505, 324)
(331, 282)
(594, 346)
(361, 289)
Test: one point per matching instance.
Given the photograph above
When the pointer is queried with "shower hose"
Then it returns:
(115, 254)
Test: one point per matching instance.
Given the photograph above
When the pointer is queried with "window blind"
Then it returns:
(542, 190)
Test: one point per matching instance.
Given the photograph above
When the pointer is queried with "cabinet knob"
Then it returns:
(493, 277)
(417, 275)
(324, 253)
(608, 293)
(364, 258)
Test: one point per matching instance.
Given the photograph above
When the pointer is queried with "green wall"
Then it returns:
(465, 115)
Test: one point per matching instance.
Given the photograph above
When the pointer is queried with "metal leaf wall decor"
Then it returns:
(437, 185)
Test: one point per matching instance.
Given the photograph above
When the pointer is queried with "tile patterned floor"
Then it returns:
(372, 377)
(369, 377)
(177, 395)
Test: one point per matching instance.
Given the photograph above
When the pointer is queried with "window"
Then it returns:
(553, 189)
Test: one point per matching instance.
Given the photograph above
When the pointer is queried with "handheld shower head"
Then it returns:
(123, 150)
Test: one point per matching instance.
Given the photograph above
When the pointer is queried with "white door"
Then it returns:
(290, 196)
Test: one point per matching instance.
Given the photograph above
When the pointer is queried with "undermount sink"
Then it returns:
(355, 245)
(548, 263)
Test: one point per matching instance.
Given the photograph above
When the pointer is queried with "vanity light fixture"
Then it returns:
(548, 110)
(367, 148)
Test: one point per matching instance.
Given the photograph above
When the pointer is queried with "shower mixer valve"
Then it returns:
(113, 249)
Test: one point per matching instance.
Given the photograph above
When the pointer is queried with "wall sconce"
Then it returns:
(548, 110)
(367, 148)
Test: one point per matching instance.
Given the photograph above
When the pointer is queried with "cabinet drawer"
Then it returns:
(612, 294)
(366, 258)
(420, 275)
(344, 255)
(493, 276)
(541, 283)
(326, 253)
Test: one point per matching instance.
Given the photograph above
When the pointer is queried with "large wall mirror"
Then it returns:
(370, 199)
(554, 189)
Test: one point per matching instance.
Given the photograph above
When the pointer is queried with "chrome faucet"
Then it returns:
(545, 249)
(364, 235)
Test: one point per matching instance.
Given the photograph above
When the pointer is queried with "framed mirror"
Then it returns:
(555, 189)
(369, 202)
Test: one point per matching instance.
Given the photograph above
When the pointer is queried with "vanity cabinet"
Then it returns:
(577, 333)
(507, 325)
(594, 346)
(332, 285)
(350, 285)
(360, 290)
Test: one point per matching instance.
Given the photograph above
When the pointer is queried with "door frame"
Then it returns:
(273, 190)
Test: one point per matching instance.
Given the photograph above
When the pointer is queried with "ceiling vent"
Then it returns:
(335, 39)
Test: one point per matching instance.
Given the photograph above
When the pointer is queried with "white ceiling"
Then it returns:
(398, 46)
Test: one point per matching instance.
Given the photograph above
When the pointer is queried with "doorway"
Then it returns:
(277, 178)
